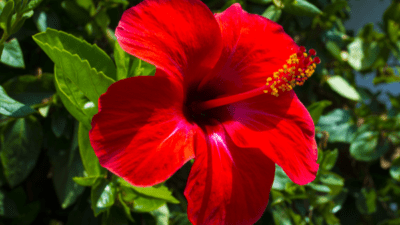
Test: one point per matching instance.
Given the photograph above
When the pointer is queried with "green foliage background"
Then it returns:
(50, 175)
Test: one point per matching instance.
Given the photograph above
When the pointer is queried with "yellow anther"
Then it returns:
(298, 68)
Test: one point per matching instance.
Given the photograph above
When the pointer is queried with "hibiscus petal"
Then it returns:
(178, 36)
(228, 184)
(281, 127)
(140, 133)
(254, 48)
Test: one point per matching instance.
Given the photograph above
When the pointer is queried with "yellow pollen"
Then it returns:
(298, 68)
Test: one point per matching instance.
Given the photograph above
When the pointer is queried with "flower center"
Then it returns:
(298, 68)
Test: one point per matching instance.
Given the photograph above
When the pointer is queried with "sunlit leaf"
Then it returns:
(103, 196)
(130, 66)
(57, 43)
(6, 14)
(12, 54)
(342, 87)
(161, 215)
(160, 192)
(301, 8)
(73, 99)
(87, 181)
(395, 169)
(273, 13)
(362, 55)
(31, 5)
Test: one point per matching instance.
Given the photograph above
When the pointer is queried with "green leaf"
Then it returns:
(392, 30)
(362, 55)
(365, 146)
(280, 215)
(17, 22)
(102, 196)
(334, 49)
(386, 79)
(329, 160)
(281, 179)
(88, 81)
(58, 122)
(41, 21)
(338, 125)
(28, 214)
(74, 99)
(87, 181)
(301, 8)
(53, 42)
(145, 204)
(12, 54)
(89, 158)
(102, 19)
(160, 192)
(331, 178)
(21, 141)
(319, 187)
(390, 222)
(328, 217)
(395, 169)
(343, 88)
(161, 215)
(339, 200)
(8, 208)
(10, 107)
(366, 201)
(262, 2)
(76, 13)
(31, 5)
(179, 218)
(29, 89)
(6, 14)
(125, 207)
(67, 164)
(317, 108)
(130, 66)
(273, 13)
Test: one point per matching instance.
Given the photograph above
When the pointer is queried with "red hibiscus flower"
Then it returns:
(222, 94)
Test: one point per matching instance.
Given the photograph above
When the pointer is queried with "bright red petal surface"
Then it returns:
(228, 184)
(180, 37)
(140, 133)
(254, 48)
(281, 127)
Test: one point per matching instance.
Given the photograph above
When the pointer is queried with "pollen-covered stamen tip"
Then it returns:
(298, 68)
